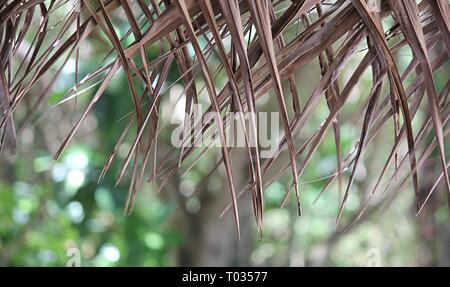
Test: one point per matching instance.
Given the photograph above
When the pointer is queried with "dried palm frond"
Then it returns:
(263, 54)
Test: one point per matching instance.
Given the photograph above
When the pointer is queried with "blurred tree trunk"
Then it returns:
(430, 236)
(210, 240)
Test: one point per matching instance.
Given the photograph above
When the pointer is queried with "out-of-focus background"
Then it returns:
(50, 208)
